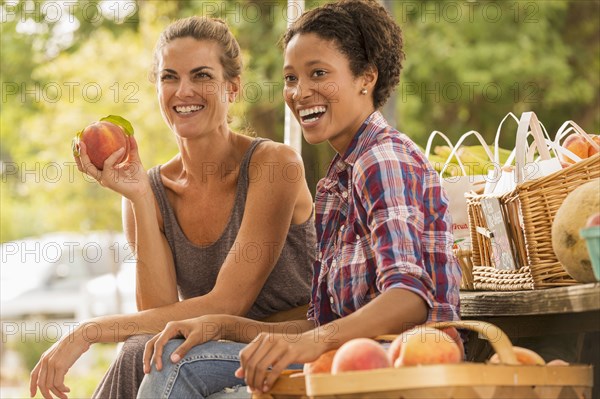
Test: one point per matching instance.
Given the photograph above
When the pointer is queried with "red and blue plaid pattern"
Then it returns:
(382, 222)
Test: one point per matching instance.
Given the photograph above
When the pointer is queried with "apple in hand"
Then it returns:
(103, 138)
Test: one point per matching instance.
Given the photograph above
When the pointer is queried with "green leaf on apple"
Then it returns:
(75, 143)
(120, 121)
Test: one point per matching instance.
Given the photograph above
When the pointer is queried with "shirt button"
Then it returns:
(331, 300)
(342, 227)
(357, 237)
(345, 194)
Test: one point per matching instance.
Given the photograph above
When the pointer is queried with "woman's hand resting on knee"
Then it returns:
(194, 331)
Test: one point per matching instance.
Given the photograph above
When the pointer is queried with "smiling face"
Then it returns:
(193, 94)
(322, 92)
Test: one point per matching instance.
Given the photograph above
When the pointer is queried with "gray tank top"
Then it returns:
(287, 286)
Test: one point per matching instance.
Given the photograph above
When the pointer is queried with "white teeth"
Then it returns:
(313, 110)
(186, 109)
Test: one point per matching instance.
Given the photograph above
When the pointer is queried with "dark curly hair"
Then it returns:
(365, 32)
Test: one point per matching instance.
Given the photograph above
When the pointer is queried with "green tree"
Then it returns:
(467, 65)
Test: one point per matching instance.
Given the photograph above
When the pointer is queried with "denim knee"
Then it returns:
(206, 369)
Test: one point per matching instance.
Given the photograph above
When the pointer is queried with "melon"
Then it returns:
(570, 248)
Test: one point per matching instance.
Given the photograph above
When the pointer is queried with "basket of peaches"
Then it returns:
(427, 362)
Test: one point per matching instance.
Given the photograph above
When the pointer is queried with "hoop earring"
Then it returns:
(364, 91)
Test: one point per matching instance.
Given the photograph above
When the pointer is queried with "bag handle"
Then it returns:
(462, 138)
(447, 140)
(566, 128)
(528, 120)
(497, 141)
(493, 334)
(512, 155)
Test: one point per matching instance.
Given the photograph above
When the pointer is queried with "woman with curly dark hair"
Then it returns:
(384, 262)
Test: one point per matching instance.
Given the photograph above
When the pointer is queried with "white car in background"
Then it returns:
(109, 294)
(42, 277)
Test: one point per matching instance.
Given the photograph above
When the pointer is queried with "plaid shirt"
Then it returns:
(382, 223)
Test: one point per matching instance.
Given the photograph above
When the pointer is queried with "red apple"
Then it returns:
(593, 220)
(360, 354)
(104, 138)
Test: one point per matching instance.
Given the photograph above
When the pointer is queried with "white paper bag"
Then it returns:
(457, 186)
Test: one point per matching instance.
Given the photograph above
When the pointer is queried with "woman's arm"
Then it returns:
(393, 311)
(155, 273)
(214, 327)
(156, 283)
(270, 204)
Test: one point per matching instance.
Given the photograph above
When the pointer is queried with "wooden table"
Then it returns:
(545, 314)
(572, 309)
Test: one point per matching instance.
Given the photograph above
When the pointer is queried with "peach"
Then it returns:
(321, 365)
(396, 345)
(524, 356)
(593, 220)
(557, 362)
(395, 348)
(427, 345)
(577, 145)
(360, 354)
(104, 138)
(594, 150)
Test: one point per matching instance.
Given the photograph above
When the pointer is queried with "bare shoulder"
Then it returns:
(278, 165)
(269, 152)
(278, 178)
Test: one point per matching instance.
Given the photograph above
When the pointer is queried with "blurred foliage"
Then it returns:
(31, 351)
(468, 64)
(82, 379)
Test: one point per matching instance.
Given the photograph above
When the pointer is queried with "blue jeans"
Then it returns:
(206, 371)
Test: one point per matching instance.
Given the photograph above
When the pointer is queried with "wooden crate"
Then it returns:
(289, 385)
(507, 380)
(465, 381)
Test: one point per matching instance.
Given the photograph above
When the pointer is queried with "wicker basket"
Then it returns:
(465, 260)
(529, 211)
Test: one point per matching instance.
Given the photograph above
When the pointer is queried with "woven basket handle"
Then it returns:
(493, 334)
(528, 120)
